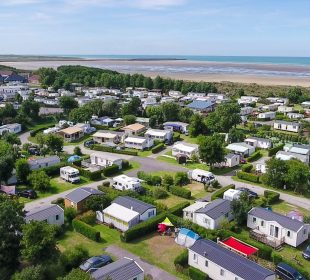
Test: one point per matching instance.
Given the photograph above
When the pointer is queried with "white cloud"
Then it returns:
(157, 4)
(20, 2)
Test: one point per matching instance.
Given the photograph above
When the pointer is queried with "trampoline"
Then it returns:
(239, 247)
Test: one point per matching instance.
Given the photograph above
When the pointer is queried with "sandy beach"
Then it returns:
(266, 74)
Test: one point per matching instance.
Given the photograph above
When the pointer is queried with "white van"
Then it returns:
(70, 174)
(124, 183)
(201, 176)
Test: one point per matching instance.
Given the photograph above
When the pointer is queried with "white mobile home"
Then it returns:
(201, 176)
(158, 134)
(107, 136)
(105, 160)
(287, 126)
(244, 111)
(10, 128)
(177, 126)
(186, 149)
(139, 143)
(242, 149)
(267, 115)
(37, 163)
(188, 212)
(257, 142)
(52, 214)
(285, 109)
(232, 194)
(232, 160)
(276, 227)
(124, 183)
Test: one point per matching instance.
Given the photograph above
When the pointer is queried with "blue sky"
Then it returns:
(189, 27)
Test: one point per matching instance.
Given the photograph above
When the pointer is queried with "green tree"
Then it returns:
(197, 126)
(181, 179)
(39, 180)
(6, 167)
(22, 170)
(211, 149)
(170, 111)
(77, 151)
(11, 221)
(11, 138)
(110, 108)
(74, 257)
(133, 107)
(81, 114)
(298, 176)
(47, 76)
(97, 202)
(276, 173)
(236, 135)
(294, 95)
(185, 115)
(240, 208)
(38, 241)
(156, 113)
(30, 108)
(129, 119)
(30, 273)
(167, 181)
(158, 82)
(70, 214)
(54, 142)
(76, 274)
(68, 103)
(5, 148)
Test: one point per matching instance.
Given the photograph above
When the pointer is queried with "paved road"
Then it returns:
(155, 272)
(24, 137)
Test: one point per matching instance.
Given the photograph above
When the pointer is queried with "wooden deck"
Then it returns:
(272, 242)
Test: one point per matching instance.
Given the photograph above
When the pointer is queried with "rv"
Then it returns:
(124, 183)
(201, 176)
(70, 174)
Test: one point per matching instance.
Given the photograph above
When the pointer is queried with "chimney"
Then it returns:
(205, 254)
(131, 208)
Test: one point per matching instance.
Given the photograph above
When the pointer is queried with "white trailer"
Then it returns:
(232, 194)
(70, 174)
(124, 183)
(201, 176)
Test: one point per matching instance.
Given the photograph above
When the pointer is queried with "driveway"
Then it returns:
(24, 137)
(155, 272)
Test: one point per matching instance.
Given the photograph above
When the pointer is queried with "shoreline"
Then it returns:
(287, 75)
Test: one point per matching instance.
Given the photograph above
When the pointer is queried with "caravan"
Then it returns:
(201, 176)
(70, 174)
(124, 183)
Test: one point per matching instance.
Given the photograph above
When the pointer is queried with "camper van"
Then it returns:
(201, 176)
(124, 183)
(70, 174)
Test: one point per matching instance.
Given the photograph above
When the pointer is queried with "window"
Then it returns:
(288, 233)
(195, 257)
(206, 263)
(222, 272)
(57, 217)
(236, 278)
(254, 220)
(151, 213)
(305, 231)
(262, 223)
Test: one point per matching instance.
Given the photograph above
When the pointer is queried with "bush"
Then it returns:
(176, 137)
(247, 167)
(248, 177)
(167, 181)
(113, 150)
(96, 175)
(178, 209)
(255, 156)
(149, 179)
(219, 193)
(59, 201)
(53, 170)
(86, 230)
(274, 150)
(158, 148)
(111, 170)
(77, 151)
(196, 274)
(178, 191)
(97, 202)
(70, 214)
(39, 180)
(276, 258)
(159, 193)
(125, 164)
(272, 197)
(182, 259)
(181, 179)
(88, 217)
(74, 257)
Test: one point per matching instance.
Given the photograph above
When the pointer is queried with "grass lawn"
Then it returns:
(171, 200)
(153, 248)
(189, 139)
(78, 142)
(284, 207)
(144, 153)
(197, 190)
(42, 124)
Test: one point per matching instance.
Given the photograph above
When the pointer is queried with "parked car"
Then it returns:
(286, 272)
(96, 262)
(306, 253)
(89, 143)
(34, 151)
(28, 194)
(242, 161)
(249, 192)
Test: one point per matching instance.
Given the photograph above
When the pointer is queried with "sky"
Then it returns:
(155, 27)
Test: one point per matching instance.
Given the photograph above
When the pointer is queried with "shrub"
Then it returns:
(272, 197)
(86, 230)
(59, 201)
(219, 193)
(74, 257)
(70, 214)
(159, 193)
(276, 258)
(149, 179)
(248, 177)
(181, 179)
(176, 136)
(274, 150)
(196, 274)
(182, 259)
(97, 202)
(39, 180)
(247, 167)
(158, 148)
(167, 181)
(215, 184)
(255, 156)
(96, 175)
(101, 148)
(110, 170)
(178, 209)
(178, 191)
(125, 164)
(88, 217)
(77, 151)
(53, 170)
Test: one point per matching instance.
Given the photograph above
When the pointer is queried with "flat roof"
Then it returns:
(120, 212)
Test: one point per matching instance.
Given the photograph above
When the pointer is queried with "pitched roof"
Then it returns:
(43, 160)
(238, 265)
(258, 139)
(134, 204)
(284, 221)
(216, 208)
(81, 193)
(120, 270)
(43, 212)
(287, 123)
(199, 104)
(134, 127)
(71, 130)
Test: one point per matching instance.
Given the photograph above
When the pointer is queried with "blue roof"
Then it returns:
(199, 104)
(189, 233)
(73, 158)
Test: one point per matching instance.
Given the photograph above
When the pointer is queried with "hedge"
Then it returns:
(176, 137)
(255, 156)
(158, 148)
(274, 150)
(219, 193)
(96, 175)
(143, 228)
(181, 192)
(53, 170)
(271, 196)
(149, 179)
(182, 259)
(110, 170)
(247, 167)
(34, 132)
(196, 274)
(113, 150)
(248, 176)
(88, 217)
(178, 209)
(86, 230)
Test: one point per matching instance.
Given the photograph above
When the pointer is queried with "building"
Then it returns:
(71, 133)
(77, 198)
(122, 269)
(231, 194)
(285, 109)
(241, 149)
(177, 126)
(186, 149)
(221, 263)
(105, 159)
(37, 163)
(107, 136)
(124, 183)
(283, 155)
(232, 160)
(189, 211)
(53, 214)
(158, 134)
(305, 104)
(287, 126)
(276, 228)
(270, 107)
(125, 212)
(257, 142)
(247, 100)
(134, 129)
(293, 115)
(244, 111)
(10, 128)
(201, 106)
(139, 143)
(300, 149)
(267, 115)
(278, 100)
(143, 121)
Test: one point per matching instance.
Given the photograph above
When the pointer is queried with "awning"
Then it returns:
(167, 222)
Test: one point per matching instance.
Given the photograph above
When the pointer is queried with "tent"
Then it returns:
(162, 227)
(167, 222)
(186, 237)
(73, 158)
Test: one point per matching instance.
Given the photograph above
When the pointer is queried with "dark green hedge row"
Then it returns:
(196, 274)
(181, 192)
(53, 170)
(247, 167)
(255, 156)
(158, 148)
(110, 170)
(97, 175)
(176, 137)
(178, 209)
(219, 193)
(34, 132)
(86, 230)
(113, 150)
(248, 176)
(271, 196)
(274, 150)
(152, 180)
(182, 259)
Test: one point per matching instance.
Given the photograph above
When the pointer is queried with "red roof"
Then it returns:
(240, 246)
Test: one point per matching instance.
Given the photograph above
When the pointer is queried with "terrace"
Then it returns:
(268, 240)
